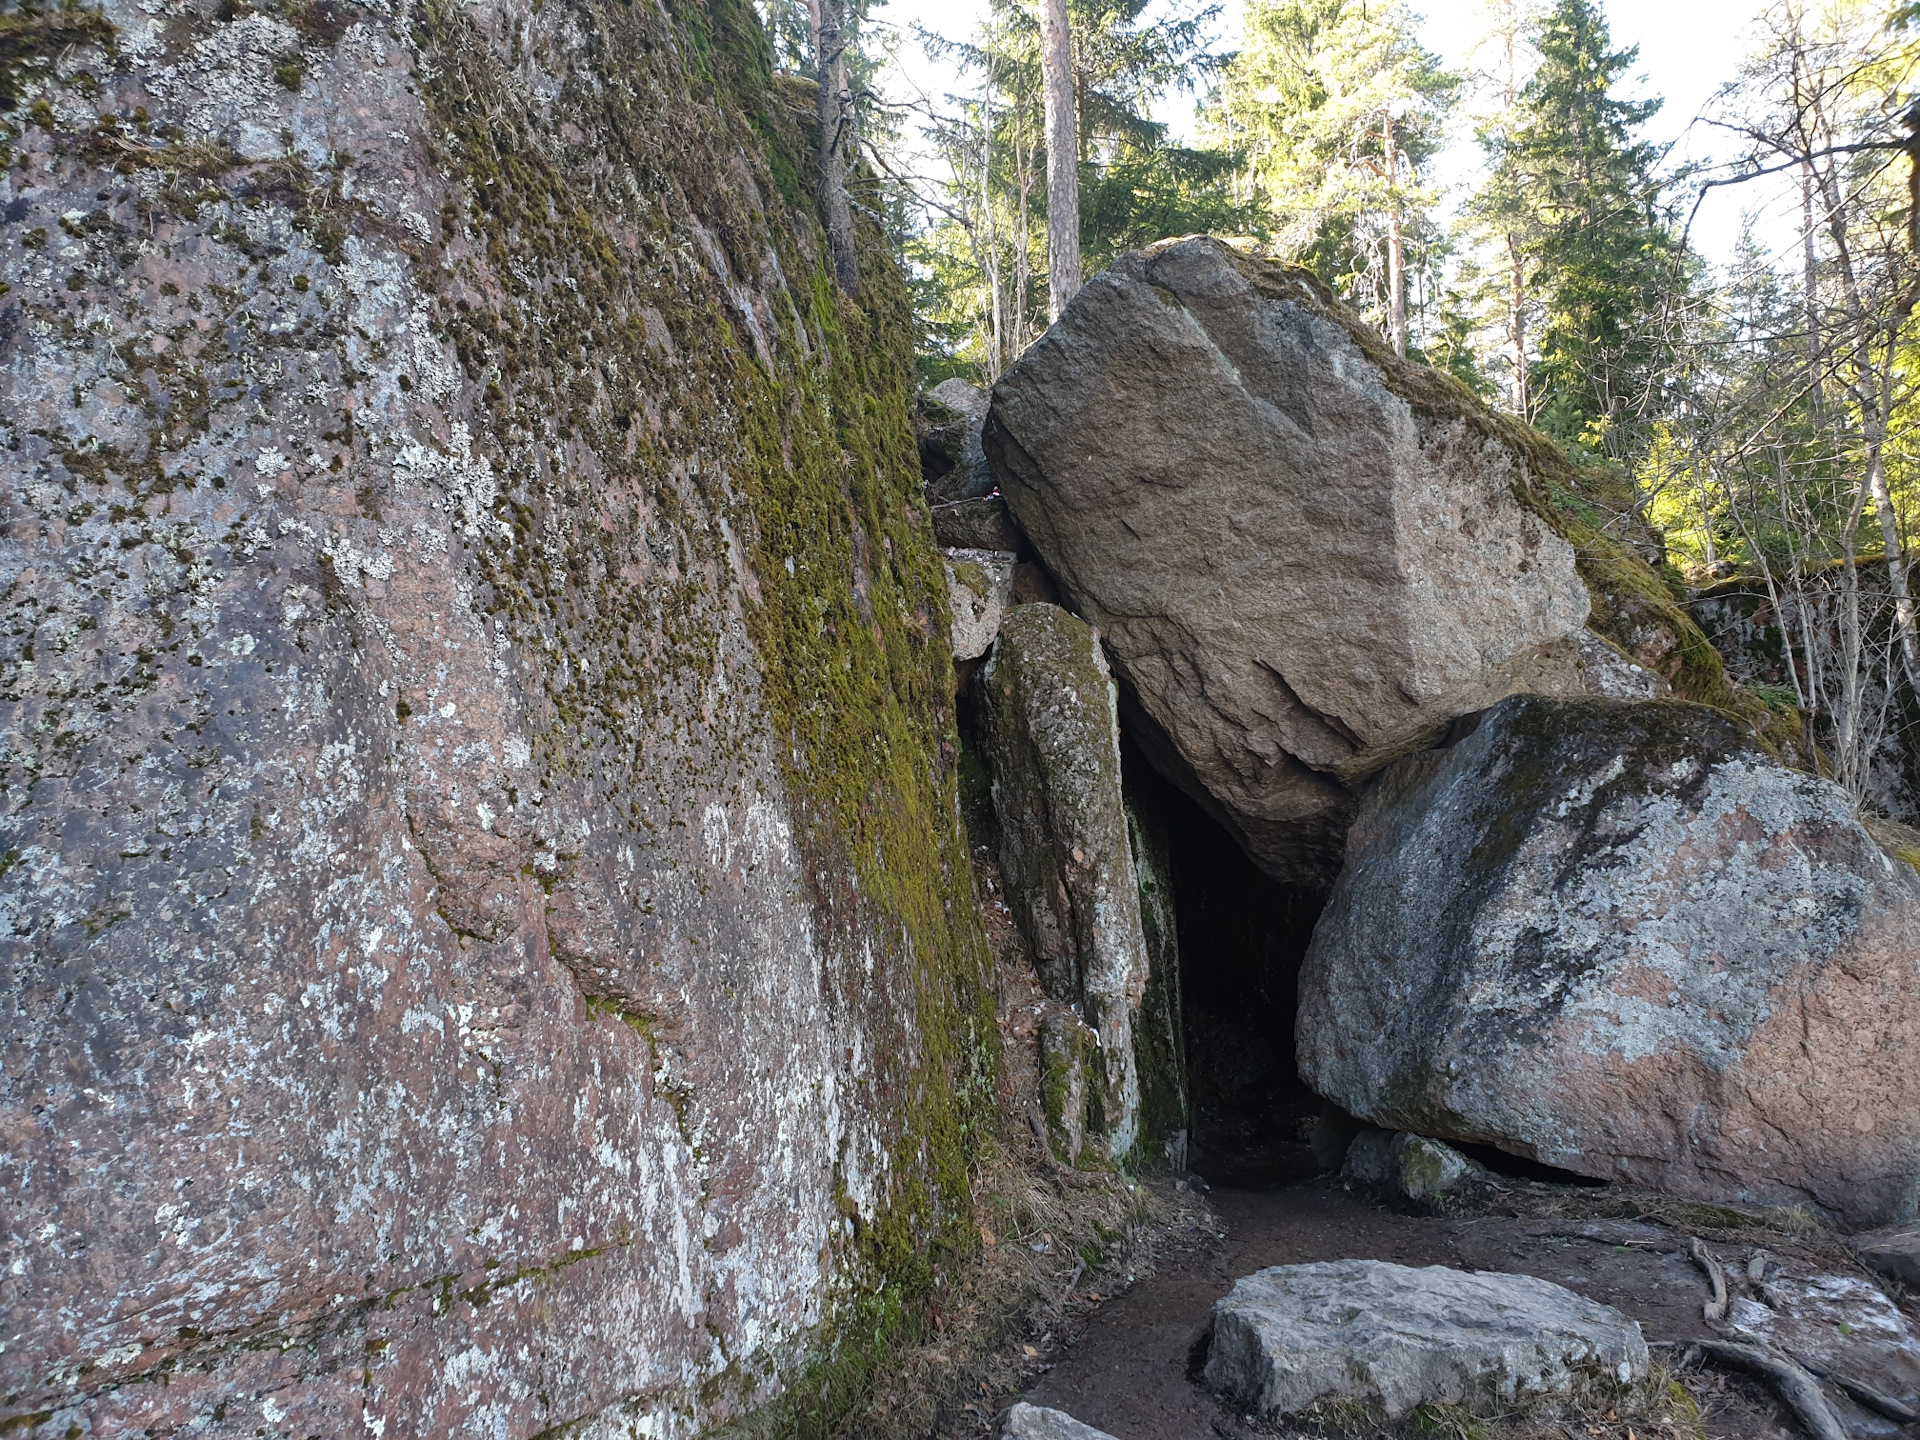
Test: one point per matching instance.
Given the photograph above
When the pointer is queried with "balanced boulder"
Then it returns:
(1619, 938)
(1306, 556)
(1390, 1338)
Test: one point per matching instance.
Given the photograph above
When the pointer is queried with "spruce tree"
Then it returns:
(1575, 195)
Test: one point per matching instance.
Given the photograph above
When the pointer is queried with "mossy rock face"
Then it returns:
(1053, 746)
(481, 841)
(1619, 938)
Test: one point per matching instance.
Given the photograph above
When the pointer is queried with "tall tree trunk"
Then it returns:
(1063, 157)
(1022, 265)
(1517, 326)
(837, 137)
(1811, 280)
(996, 357)
(1904, 619)
(1396, 271)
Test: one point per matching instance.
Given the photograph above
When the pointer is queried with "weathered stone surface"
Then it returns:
(1893, 1252)
(1620, 939)
(1840, 1327)
(1298, 572)
(947, 423)
(1392, 1337)
(979, 589)
(1037, 1422)
(1412, 1167)
(482, 920)
(1605, 671)
(979, 524)
(1053, 746)
(1072, 1073)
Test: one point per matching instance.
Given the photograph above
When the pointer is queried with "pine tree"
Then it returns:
(984, 266)
(1331, 109)
(1576, 197)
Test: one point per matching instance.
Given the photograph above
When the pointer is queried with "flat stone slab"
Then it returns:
(1036, 1422)
(1393, 1337)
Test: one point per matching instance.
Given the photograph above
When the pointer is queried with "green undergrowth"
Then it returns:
(773, 434)
(1637, 606)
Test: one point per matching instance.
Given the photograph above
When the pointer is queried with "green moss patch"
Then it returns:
(715, 432)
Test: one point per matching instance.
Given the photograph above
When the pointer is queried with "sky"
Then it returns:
(1688, 49)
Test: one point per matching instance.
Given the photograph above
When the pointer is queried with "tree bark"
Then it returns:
(837, 137)
(1396, 272)
(1517, 320)
(1023, 154)
(1063, 157)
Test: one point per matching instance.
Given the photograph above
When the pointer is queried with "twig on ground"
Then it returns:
(1079, 1269)
(1715, 1310)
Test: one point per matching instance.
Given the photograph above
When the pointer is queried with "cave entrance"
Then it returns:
(1242, 935)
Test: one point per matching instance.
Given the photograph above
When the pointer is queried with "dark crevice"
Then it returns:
(1242, 936)
(1519, 1167)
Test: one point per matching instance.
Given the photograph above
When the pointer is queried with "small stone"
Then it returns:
(1426, 1169)
(1608, 672)
(979, 586)
(1370, 1157)
(946, 424)
(1893, 1252)
(1392, 1337)
(1036, 1422)
(1409, 1166)
(978, 524)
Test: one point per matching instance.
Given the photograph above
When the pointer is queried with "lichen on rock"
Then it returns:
(480, 829)
(1053, 746)
(1621, 939)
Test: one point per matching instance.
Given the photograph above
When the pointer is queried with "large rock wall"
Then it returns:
(488, 943)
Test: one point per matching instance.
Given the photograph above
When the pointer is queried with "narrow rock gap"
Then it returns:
(1242, 936)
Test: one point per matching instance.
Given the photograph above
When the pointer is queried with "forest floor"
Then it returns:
(1119, 1347)
(1091, 1291)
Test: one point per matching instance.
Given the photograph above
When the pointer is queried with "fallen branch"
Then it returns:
(1715, 1310)
(1797, 1390)
(1893, 1409)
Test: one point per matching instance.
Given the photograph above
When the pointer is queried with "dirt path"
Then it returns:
(1126, 1372)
